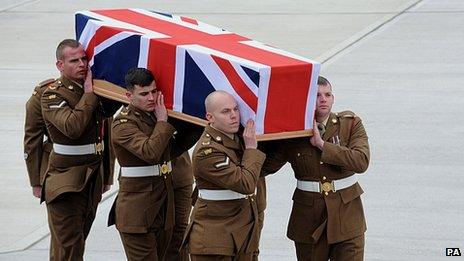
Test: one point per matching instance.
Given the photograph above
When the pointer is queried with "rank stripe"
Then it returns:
(222, 164)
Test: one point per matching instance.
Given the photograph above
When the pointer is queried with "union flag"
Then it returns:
(191, 59)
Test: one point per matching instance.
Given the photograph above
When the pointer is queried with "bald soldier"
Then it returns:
(76, 176)
(147, 147)
(327, 219)
(226, 165)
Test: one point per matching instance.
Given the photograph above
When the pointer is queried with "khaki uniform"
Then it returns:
(328, 224)
(224, 229)
(73, 183)
(182, 179)
(144, 208)
(37, 145)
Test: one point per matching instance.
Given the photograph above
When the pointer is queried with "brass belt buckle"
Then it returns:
(99, 148)
(164, 169)
(326, 187)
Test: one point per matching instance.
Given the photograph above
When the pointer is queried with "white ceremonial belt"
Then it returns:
(94, 148)
(334, 185)
(222, 194)
(146, 171)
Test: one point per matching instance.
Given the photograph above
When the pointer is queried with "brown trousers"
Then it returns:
(242, 257)
(348, 250)
(70, 217)
(182, 205)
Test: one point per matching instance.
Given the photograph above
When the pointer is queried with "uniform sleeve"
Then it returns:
(275, 157)
(34, 127)
(217, 168)
(355, 155)
(148, 148)
(70, 122)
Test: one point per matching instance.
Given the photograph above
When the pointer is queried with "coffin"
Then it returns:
(191, 59)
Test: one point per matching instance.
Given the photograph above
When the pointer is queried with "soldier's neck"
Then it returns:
(231, 136)
(323, 119)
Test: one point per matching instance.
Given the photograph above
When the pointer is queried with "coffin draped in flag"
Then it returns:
(191, 59)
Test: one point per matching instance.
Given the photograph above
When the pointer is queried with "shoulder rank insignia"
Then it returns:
(46, 82)
(204, 143)
(123, 120)
(334, 120)
(124, 112)
(52, 96)
(207, 151)
(222, 163)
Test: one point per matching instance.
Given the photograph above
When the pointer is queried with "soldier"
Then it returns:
(327, 219)
(75, 178)
(145, 143)
(224, 222)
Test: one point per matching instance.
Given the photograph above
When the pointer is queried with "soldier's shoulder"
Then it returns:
(53, 87)
(346, 115)
(125, 115)
(45, 83)
(41, 86)
(206, 146)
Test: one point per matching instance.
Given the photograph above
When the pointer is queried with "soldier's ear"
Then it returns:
(59, 65)
(209, 117)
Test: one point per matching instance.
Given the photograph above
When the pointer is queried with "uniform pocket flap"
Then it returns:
(351, 193)
(303, 197)
(135, 184)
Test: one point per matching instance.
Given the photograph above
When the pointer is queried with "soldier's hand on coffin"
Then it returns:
(88, 84)
(249, 135)
(160, 109)
(316, 140)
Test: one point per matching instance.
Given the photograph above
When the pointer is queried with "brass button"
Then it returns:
(324, 178)
(320, 162)
(298, 154)
(326, 193)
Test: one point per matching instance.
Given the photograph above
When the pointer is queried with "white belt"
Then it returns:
(146, 171)
(319, 187)
(94, 148)
(222, 194)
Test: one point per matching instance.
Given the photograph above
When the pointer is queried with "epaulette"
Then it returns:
(124, 111)
(55, 85)
(346, 114)
(45, 82)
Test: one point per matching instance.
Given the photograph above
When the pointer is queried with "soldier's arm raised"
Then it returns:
(216, 167)
(149, 148)
(71, 122)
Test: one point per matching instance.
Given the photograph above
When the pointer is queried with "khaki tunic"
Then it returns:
(139, 140)
(345, 152)
(72, 117)
(37, 145)
(224, 227)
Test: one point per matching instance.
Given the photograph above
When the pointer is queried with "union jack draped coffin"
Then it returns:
(191, 59)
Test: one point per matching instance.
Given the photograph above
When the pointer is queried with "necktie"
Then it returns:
(321, 128)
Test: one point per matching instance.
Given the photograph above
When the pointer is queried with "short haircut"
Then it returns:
(63, 44)
(212, 97)
(323, 81)
(138, 76)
